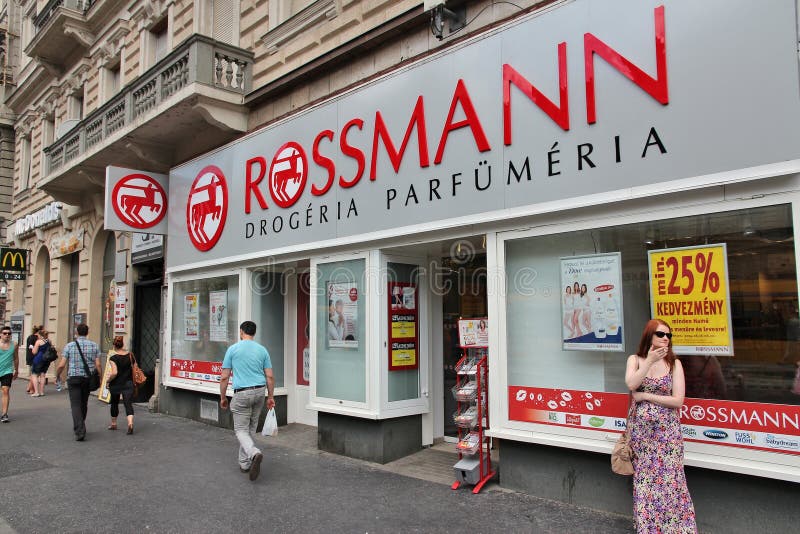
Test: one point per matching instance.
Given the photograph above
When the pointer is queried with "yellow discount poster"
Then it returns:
(689, 290)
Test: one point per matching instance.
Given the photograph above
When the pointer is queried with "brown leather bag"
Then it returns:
(136, 373)
(622, 454)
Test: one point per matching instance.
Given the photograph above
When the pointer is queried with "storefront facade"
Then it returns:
(641, 154)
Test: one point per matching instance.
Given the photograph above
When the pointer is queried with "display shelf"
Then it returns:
(472, 418)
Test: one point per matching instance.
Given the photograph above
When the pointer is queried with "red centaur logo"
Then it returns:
(139, 201)
(207, 208)
(288, 174)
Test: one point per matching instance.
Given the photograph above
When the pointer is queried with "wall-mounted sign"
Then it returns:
(146, 247)
(120, 307)
(136, 200)
(66, 244)
(591, 102)
(13, 263)
(46, 216)
(218, 315)
(689, 290)
(403, 326)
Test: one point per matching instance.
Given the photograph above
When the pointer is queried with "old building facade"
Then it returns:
(475, 157)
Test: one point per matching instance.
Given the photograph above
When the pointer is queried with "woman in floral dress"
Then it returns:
(661, 500)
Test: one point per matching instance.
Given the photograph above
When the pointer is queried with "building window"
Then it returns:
(341, 352)
(225, 21)
(24, 163)
(159, 37)
(111, 82)
(269, 317)
(75, 105)
(205, 321)
(283, 10)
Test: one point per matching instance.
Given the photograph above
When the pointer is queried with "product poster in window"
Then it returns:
(402, 326)
(473, 332)
(591, 302)
(218, 316)
(342, 315)
(689, 291)
(191, 317)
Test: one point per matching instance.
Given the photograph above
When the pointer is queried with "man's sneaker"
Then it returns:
(255, 467)
(243, 470)
(4, 418)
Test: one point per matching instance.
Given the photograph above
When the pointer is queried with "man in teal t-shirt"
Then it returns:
(9, 368)
(252, 374)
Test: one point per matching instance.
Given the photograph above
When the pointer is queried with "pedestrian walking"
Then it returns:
(9, 368)
(81, 355)
(29, 354)
(252, 374)
(120, 383)
(40, 362)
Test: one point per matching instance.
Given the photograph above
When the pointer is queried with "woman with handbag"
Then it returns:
(120, 383)
(40, 362)
(661, 500)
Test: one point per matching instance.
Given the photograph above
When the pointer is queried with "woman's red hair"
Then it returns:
(644, 344)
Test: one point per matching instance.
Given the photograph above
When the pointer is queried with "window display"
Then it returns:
(341, 366)
(205, 323)
(742, 388)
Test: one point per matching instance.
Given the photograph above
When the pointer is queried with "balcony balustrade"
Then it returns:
(146, 109)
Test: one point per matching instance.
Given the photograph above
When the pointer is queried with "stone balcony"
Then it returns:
(186, 104)
(66, 27)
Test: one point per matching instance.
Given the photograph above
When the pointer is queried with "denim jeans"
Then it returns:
(246, 408)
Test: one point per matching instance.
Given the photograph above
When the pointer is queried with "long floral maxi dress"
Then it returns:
(661, 500)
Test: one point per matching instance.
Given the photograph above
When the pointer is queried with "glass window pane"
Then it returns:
(403, 384)
(268, 290)
(198, 333)
(763, 301)
(341, 368)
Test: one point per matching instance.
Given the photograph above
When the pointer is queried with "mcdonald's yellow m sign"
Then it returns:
(13, 263)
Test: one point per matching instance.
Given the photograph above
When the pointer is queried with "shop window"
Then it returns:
(403, 384)
(341, 364)
(205, 319)
(74, 276)
(107, 300)
(268, 290)
(762, 282)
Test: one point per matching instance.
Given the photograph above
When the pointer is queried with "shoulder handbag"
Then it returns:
(94, 376)
(136, 373)
(51, 355)
(622, 454)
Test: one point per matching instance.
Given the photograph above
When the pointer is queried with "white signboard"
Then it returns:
(136, 201)
(590, 102)
(591, 302)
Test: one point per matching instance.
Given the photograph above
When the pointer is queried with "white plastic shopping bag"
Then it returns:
(270, 424)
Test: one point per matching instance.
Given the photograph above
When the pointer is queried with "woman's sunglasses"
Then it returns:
(659, 333)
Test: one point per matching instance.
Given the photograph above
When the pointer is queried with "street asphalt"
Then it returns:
(177, 475)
